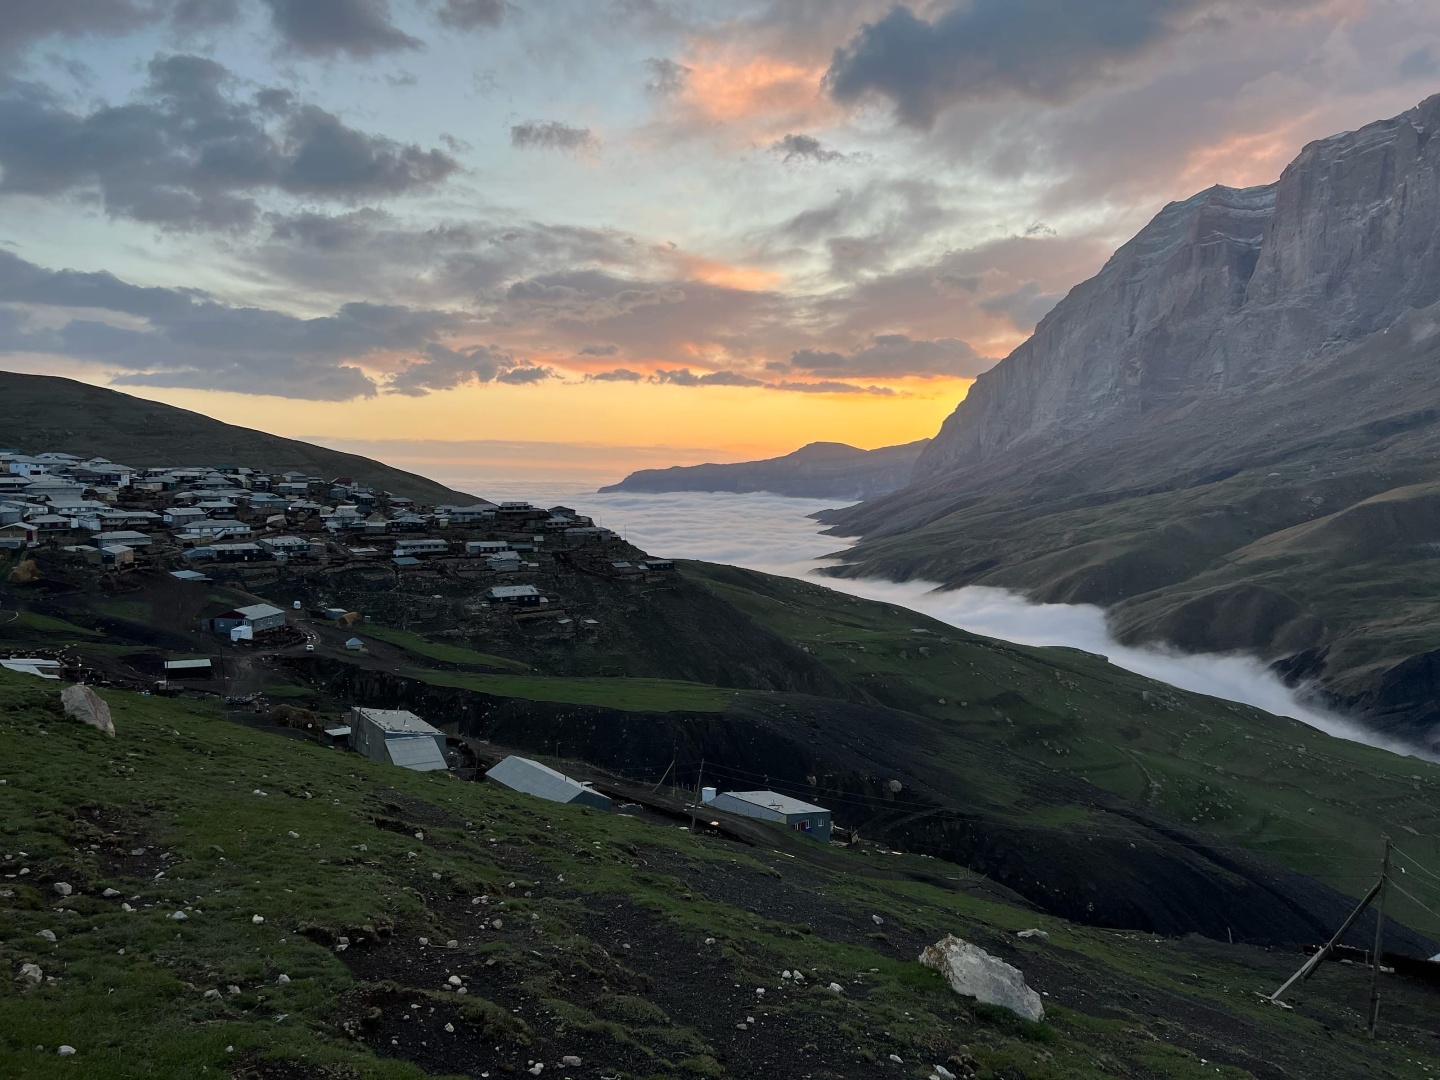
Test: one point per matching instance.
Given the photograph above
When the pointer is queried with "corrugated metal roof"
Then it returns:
(773, 800)
(259, 611)
(532, 778)
(418, 752)
(186, 665)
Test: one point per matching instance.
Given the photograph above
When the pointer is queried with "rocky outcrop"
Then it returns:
(816, 471)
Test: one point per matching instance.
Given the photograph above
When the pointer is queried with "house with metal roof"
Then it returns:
(399, 737)
(813, 821)
(532, 778)
(525, 595)
(258, 617)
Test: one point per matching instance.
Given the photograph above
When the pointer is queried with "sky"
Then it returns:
(594, 235)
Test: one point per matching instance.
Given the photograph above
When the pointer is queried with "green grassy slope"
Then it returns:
(1313, 802)
(43, 412)
(631, 944)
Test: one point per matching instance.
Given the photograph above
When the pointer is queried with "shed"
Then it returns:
(45, 669)
(335, 736)
(813, 821)
(258, 617)
(532, 778)
(525, 595)
(188, 575)
(399, 737)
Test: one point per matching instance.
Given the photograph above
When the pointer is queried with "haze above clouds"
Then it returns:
(439, 218)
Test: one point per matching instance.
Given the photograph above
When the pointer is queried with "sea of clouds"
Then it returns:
(777, 535)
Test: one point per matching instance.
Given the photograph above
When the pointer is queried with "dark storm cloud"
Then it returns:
(190, 154)
(983, 50)
(552, 135)
(894, 355)
(801, 148)
(361, 28)
(187, 338)
(686, 377)
(666, 77)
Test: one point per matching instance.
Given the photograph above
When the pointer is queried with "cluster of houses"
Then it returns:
(188, 519)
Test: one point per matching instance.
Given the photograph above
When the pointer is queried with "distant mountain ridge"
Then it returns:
(1229, 436)
(820, 470)
(45, 412)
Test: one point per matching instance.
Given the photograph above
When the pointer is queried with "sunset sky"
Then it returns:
(592, 235)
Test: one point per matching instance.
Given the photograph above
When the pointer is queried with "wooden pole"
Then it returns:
(1308, 968)
(1379, 940)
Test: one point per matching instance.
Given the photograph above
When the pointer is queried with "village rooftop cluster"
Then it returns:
(113, 515)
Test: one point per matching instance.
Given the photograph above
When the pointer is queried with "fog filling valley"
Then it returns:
(776, 535)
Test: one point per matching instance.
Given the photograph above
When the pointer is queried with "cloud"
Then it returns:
(28, 21)
(803, 148)
(617, 375)
(599, 350)
(1420, 64)
(190, 155)
(552, 135)
(829, 386)
(666, 77)
(525, 375)
(987, 50)
(360, 28)
(896, 354)
(686, 377)
(187, 338)
(473, 14)
(1024, 307)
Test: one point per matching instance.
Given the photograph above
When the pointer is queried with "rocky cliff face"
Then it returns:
(1221, 436)
(1223, 294)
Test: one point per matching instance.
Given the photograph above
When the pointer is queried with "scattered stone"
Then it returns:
(450, 1028)
(454, 980)
(419, 836)
(212, 995)
(424, 941)
(570, 1061)
(63, 888)
(69, 1051)
(232, 990)
(897, 1059)
(257, 919)
(257, 791)
(282, 980)
(294, 835)
(536, 1069)
(452, 944)
(31, 973)
(83, 704)
(1033, 935)
(498, 924)
(972, 972)
(709, 941)
(110, 894)
(942, 1073)
(836, 988)
(877, 920)
(126, 907)
(179, 916)
(48, 935)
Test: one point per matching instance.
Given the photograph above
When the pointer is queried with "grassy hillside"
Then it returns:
(1313, 802)
(633, 945)
(42, 412)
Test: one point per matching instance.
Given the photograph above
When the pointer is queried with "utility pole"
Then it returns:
(1312, 965)
(1379, 934)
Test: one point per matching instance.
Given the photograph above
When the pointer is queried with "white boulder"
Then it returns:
(972, 972)
(83, 704)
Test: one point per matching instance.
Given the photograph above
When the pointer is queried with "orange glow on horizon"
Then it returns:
(587, 421)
